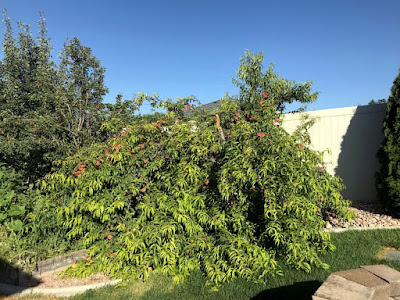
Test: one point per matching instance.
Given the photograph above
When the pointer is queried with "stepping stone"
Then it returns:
(367, 279)
(319, 298)
(389, 275)
(357, 284)
(339, 288)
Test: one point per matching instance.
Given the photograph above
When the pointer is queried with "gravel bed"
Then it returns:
(53, 280)
(367, 214)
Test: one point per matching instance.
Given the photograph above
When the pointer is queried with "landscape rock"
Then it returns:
(60, 261)
(339, 288)
(389, 275)
(367, 279)
(367, 214)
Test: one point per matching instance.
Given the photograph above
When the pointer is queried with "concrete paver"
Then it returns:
(338, 288)
(318, 298)
(367, 279)
(389, 275)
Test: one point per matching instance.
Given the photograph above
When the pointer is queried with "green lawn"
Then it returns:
(354, 248)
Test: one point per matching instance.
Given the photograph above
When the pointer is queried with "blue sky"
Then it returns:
(349, 49)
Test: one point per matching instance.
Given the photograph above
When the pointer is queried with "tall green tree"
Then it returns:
(122, 113)
(388, 177)
(46, 111)
(27, 82)
(80, 94)
(119, 114)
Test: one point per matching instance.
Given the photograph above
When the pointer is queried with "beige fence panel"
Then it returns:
(353, 134)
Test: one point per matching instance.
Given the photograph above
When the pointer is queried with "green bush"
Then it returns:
(227, 193)
(388, 177)
(12, 199)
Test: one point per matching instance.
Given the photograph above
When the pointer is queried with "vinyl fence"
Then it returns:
(353, 134)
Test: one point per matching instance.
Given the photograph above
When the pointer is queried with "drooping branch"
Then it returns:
(221, 132)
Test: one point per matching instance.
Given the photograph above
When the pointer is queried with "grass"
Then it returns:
(354, 248)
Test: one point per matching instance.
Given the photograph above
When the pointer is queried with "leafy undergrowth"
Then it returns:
(12, 250)
(353, 249)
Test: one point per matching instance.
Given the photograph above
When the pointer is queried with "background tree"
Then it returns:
(380, 101)
(388, 177)
(119, 114)
(80, 94)
(122, 113)
(27, 82)
(46, 111)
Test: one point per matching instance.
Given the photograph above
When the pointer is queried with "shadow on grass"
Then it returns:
(299, 291)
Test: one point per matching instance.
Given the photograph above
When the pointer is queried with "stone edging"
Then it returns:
(12, 287)
(359, 228)
(9, 289)
(60, 261)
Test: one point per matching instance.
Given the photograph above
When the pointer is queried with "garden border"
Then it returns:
(359, 228)
(9, 289)
(51, 265)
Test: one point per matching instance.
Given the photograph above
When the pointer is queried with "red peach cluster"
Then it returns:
(79, 172)
(264, 96)
(118, 147)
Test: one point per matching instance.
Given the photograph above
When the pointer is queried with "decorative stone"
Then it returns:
(338, 288)
(60, 261)
(318, 298)
(367, 279)
(366, 214)
(389, 275)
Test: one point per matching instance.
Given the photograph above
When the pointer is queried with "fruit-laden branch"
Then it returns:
(221, 132)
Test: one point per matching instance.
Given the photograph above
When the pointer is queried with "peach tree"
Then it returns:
(228, 192)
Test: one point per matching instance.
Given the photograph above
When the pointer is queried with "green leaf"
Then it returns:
(16, 210)
(16, 225)
(3, 216)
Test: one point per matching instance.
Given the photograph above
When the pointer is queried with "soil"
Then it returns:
(3, 297)
(51, 279)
